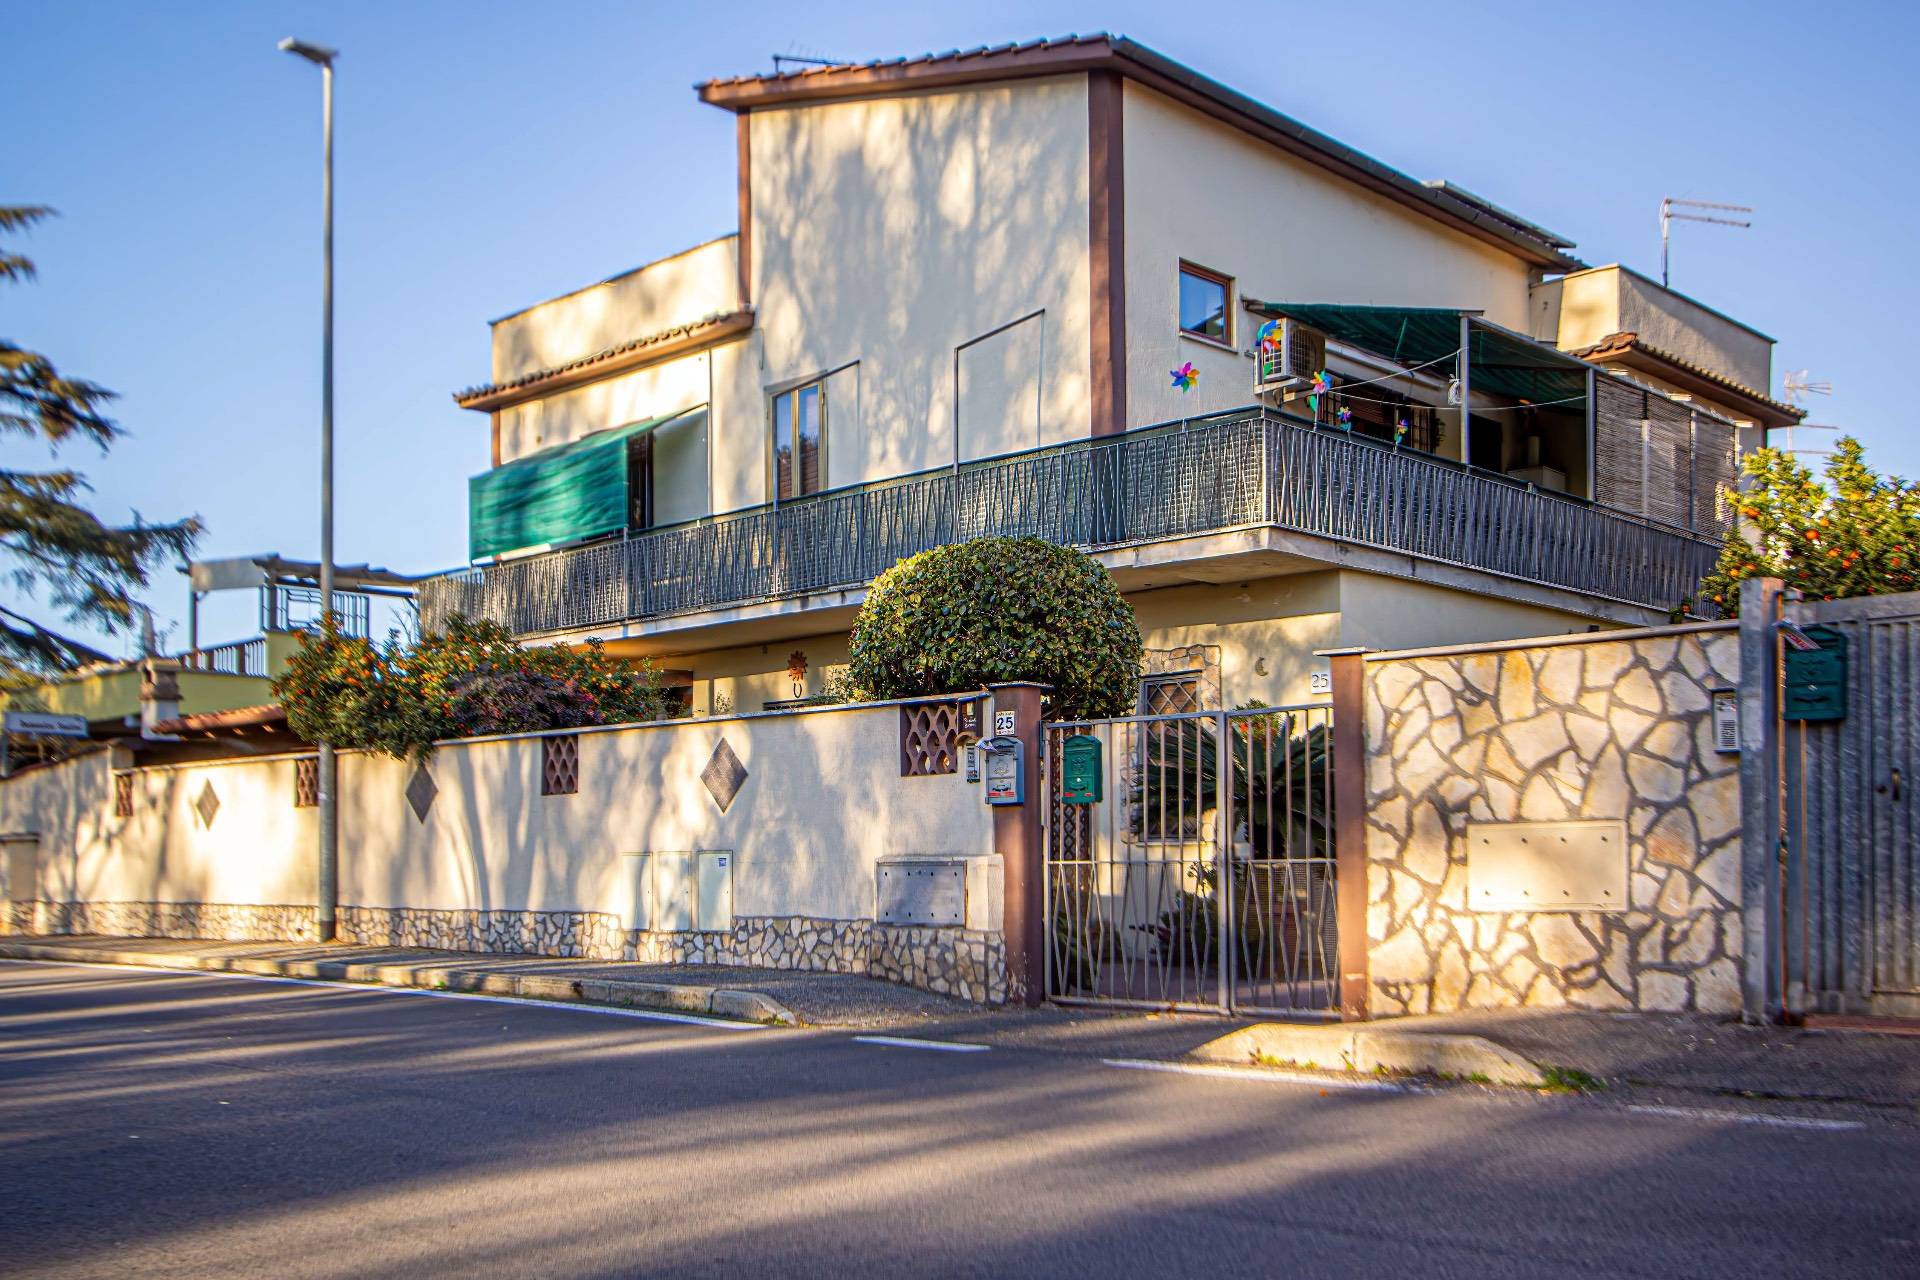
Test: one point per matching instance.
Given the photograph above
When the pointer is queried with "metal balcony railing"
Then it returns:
(1248, 468)
(235, 658)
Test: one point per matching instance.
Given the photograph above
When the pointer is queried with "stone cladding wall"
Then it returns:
(968, 963)
(1609, 729)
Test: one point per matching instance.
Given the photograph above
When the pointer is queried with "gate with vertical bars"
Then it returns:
(1202, 877)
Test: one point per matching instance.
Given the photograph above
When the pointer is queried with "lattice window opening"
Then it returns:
(123, 795)
(560, 765)
(306, 783)
(930, 739)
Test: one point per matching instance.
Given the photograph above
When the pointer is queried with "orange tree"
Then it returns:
(470, 679)
(1856, 534)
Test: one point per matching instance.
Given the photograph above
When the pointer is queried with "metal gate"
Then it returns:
(1198, 871)
(1852, 823)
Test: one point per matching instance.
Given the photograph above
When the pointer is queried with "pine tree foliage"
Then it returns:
(50, 543)
(1855, 534)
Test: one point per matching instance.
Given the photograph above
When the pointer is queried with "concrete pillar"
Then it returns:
(159, 695)
(1017, 839)
(1763, 982)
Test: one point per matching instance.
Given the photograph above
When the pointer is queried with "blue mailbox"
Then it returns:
(1005, 766)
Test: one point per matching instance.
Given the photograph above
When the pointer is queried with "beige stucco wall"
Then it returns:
(1581, 309)
(822, 803)
(1285, 230)
(747, 678)
(117, 693)
(689, 286)
(1378, 612)
(893, 231)
(1266, 631)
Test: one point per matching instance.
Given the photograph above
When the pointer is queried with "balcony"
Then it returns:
(1247, 469)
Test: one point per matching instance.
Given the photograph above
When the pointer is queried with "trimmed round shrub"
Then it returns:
(993, 610)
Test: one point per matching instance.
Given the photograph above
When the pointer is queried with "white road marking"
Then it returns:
(904, 1042)
(1746, 1117)
(1320, 1079)
(648, 1015)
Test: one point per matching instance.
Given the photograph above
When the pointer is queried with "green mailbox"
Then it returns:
(1814, 682)
(1082, 772)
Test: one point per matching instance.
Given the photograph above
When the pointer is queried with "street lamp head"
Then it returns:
(318, 55)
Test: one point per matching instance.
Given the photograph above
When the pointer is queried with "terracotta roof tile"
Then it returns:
(1618, 345)
(611, 355)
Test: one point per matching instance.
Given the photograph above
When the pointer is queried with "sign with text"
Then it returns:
(45, 724)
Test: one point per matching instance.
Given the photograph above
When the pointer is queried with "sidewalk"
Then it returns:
(760, 995)
(1637, 1054)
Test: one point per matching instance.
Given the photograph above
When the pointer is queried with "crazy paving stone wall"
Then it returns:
(1609, 729)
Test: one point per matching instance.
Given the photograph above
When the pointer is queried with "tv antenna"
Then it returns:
(1796, 386)
(1668, 217)
(781, 59)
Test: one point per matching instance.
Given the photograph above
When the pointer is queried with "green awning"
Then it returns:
(571, 491)
(1501, 362)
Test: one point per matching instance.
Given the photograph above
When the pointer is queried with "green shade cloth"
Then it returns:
(1500, 361)
(571, 491)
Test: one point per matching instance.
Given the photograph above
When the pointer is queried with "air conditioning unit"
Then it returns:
(1287, 355)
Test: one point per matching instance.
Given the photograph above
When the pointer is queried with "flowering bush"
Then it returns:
(470, 679)
(997, 609)
(1856, 534)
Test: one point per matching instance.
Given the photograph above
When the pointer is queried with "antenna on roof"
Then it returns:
(1796, 386)
(780, 59)
(1667, 217)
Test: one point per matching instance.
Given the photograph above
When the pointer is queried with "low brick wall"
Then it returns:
(1596, 728)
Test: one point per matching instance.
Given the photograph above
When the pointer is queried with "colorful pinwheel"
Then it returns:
(1269, 336)
(1322, 383)
(1185, 376)
(1399, 431)
(1346, 418)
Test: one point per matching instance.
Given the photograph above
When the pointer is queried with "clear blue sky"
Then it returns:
(491, 154)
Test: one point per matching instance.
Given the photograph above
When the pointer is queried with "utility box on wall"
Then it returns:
(692, 891)
(1547, 866)
(943, 889)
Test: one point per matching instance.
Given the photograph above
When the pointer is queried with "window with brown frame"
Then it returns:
(1206, 304)
(800, 440)
(123, 795)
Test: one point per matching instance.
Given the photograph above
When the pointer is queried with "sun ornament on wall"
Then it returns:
(797, 672)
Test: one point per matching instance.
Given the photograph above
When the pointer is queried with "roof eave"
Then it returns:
(686, 339)
(1155, 71)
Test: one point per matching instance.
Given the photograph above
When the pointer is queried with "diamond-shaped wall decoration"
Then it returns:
(724, 775)
(206, 804)
(421, 791)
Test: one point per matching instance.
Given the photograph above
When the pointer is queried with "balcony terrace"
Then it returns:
(1249, 470)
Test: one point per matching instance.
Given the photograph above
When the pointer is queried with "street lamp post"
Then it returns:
(327, 879)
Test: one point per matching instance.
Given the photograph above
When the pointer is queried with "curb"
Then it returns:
(1348, 1048)
(724, 1002)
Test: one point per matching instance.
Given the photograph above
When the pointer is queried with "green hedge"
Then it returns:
(995, 610)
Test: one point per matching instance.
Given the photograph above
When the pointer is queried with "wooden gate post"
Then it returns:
(1348, 669)
(1016, 838)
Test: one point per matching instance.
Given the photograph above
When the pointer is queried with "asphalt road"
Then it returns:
(182, 1125)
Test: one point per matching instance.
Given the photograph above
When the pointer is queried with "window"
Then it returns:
(1205, 299)
(640, 481)
(123, 795)
(799, 440)
(1170, 694)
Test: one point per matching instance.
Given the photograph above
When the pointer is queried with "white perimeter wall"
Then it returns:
(822, 803)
